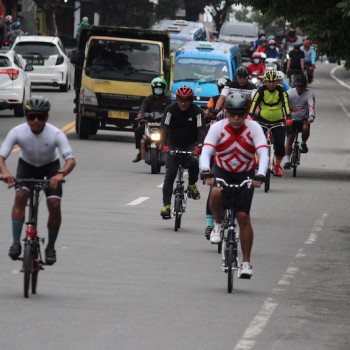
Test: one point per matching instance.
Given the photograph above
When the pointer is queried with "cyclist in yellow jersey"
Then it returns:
(270, 105)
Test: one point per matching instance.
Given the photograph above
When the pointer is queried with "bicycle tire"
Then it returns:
(230, 258)
(155, 162)
(35, 273)
(27, 269)
(294, 162)
(178, 213)
(267, 181)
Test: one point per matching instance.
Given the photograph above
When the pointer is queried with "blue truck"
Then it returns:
(200, 64)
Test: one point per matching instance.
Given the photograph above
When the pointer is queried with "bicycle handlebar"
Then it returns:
(222, 183)
(175, 152)
(271, 126)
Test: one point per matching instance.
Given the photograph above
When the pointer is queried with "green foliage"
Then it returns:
(326, 22)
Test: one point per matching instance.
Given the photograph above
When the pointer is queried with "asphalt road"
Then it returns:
(125, 280)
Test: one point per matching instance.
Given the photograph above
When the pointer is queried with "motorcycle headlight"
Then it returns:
(155, 136)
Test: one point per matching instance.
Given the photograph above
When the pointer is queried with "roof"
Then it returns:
(211, 49)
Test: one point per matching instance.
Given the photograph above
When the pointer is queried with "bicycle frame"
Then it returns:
(180, 194)
(269, 137)
(229, 232)
(296, 154)
(32, 258)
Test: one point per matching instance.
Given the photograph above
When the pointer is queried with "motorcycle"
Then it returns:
(150, 142)
(256, 79)
(272, 63)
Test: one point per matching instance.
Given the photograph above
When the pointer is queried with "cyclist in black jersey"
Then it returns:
(182, 128)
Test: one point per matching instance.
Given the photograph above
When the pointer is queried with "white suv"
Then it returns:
(15, 87)
(49, 58)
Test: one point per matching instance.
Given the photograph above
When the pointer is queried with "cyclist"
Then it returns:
(182, 128)
(309, 59)
(302, 106)
(240, 84)
(272, 101)
(233, 141)
(295, 63)
(152, 103)
(38, 158)
(280, 76)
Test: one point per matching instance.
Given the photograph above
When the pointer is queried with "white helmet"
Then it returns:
(280, 75)
(85, 19)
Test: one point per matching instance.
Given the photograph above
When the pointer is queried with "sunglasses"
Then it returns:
(40, 117)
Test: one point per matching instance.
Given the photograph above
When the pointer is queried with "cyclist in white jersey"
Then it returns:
(38, 158)
(234, 141)
(302, 107)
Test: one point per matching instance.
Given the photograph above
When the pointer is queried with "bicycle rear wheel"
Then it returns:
(27, 268)
(294, 162)
(178, 213)
(230, 259)
(267, 181)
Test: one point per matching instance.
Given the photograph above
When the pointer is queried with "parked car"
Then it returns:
(49, 58)
(15, 86)
(242, 33)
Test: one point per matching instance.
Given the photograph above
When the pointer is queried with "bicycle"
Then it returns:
(229, 232)
(32, 258)
(268, 127)
(180, 194)
(296, 152)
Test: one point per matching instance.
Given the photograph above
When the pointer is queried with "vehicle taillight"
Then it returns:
(13, 73)
(60, 60)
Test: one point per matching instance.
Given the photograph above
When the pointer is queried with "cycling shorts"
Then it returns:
(297, 126)
(27, 171)
(244, 196)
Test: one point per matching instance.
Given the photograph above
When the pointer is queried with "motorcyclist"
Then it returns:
(152, 103)
(7, 27)
(256, 65)
(256, 43)
(262, 44)
(272, 50)
(309, 59)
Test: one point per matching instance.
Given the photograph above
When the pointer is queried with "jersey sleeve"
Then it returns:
(64, 146)
(8, 144)
(209, 145)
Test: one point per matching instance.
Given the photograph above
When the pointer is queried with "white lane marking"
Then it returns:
(160, 186)
(338, 80)
(341, 104)
(248, 339)
(138, 201)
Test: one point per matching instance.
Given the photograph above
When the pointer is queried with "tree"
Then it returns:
(326, 22)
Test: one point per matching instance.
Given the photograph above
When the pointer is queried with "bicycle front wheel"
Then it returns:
(230, 259)
(27, 268)
(178, 213)
(35, 272)
(294, 162)
(267, 181)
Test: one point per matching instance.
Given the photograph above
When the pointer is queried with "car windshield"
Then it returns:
(238, 30)
(123, 60)
(201, 70)
(45, 50)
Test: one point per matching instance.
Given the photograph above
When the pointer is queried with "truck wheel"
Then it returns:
(84, 128)
(94, 126)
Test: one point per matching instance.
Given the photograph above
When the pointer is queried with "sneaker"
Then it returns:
(15, 251)
(207, 232)
(245, 270)
(165, 212)
(286, 165)
(137, 158)
(303, 148)
(50, 256)
(192, 192)
(277, 171)
(215, 235)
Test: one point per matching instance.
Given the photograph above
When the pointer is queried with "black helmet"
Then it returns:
(236, 103)
(300, 80)
(242, 72)
(37, 104)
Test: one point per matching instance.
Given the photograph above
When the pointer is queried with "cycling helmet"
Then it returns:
(236, 103)
(300, 80)
(256, 55)
(307, 43)
(16, 25)
(159, 82)
(8, 19)
(184, 92)
(242, 71)
(272, 42)
(271, 75)
(261, 33)
(280, 75)
(37, 104)
(85, 19)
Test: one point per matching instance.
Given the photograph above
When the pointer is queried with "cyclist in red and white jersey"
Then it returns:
(38, 158)
(234, 141)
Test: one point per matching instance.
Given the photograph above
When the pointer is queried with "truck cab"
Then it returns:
(113, 70)
(201, 64)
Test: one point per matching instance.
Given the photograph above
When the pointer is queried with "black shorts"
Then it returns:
(297, 126)
(27, 171)
(244, 196)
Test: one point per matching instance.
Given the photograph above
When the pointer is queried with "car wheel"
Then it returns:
(19, 109)
(64, 87)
